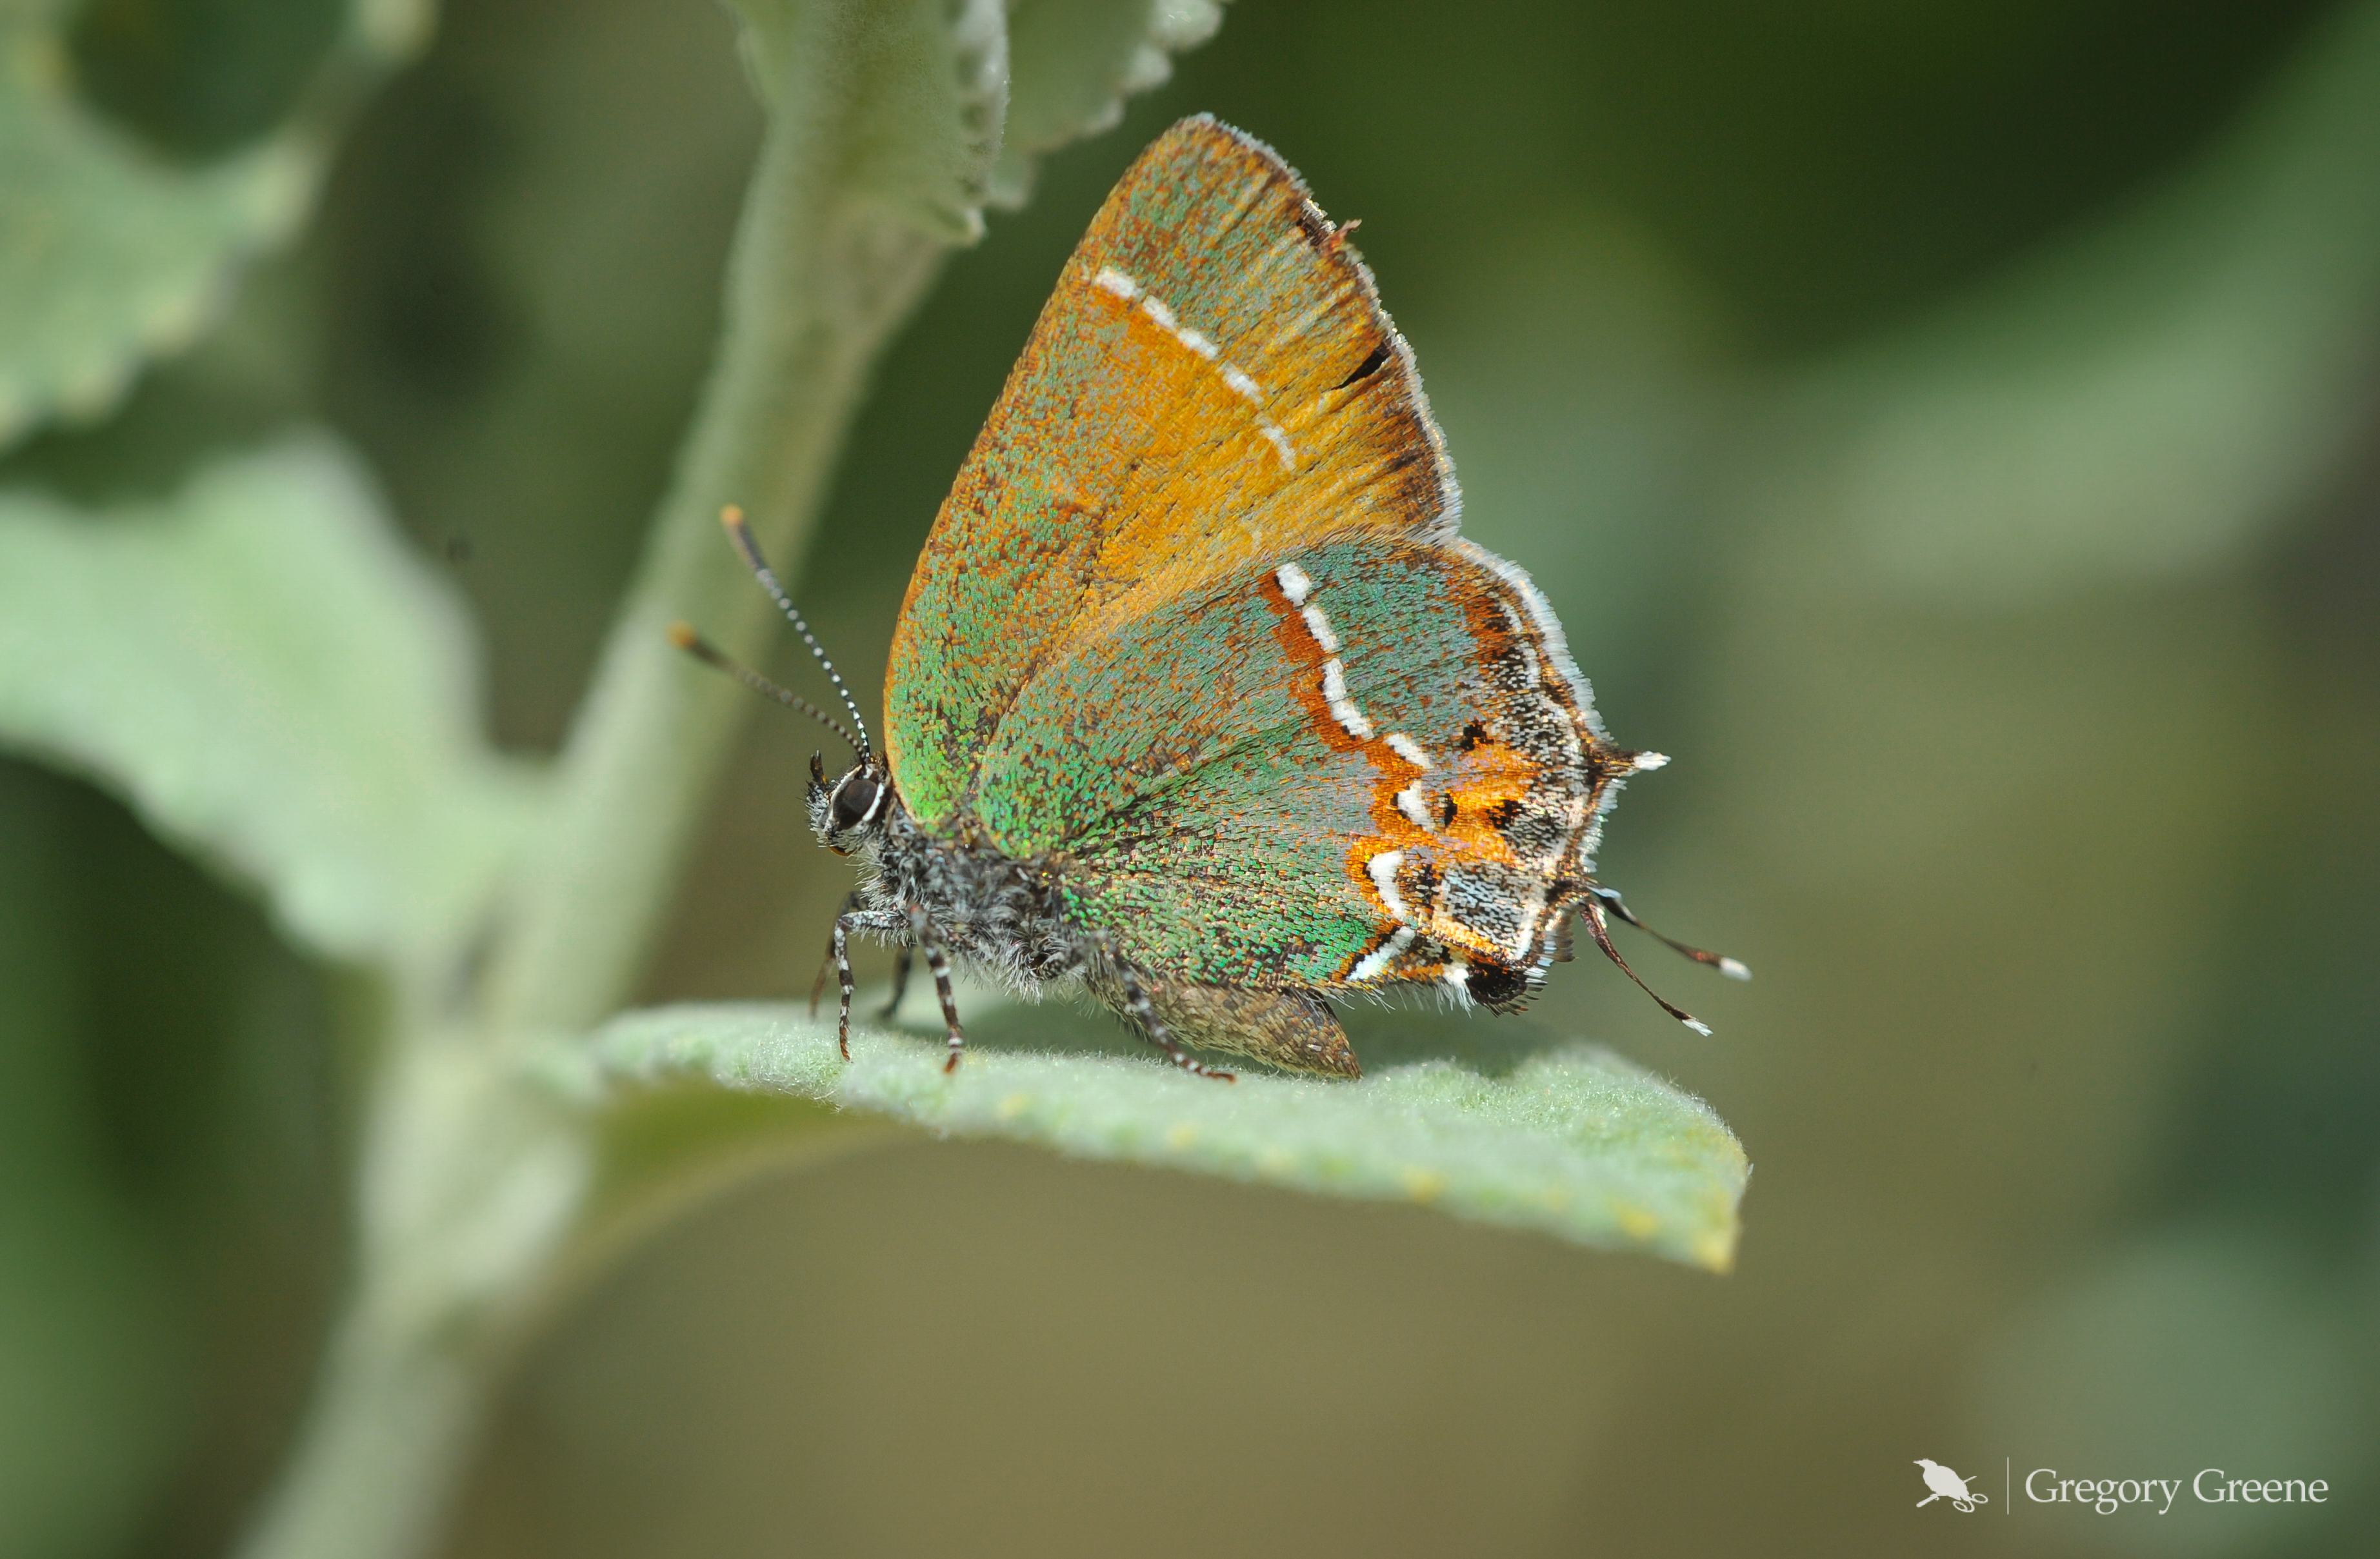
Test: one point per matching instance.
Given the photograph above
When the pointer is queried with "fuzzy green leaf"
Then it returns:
(273, 682)
(898, 106)
(1071, 63)
(963, 100)
(112, 253)
(1568, 1138)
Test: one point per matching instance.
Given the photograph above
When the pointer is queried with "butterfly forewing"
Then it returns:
(1212, 384)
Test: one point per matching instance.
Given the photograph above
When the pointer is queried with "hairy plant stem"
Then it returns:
(816, 283)
(473, 1174)
(471, 1186)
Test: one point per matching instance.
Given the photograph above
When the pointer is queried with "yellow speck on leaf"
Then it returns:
(1421, 1185)
(1634, 1221)
(1715, 1249)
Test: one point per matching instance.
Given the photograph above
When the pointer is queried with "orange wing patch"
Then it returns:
(1434, 815)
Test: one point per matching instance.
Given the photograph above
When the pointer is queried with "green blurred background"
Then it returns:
(1947, 427)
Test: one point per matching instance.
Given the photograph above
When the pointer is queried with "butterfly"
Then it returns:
(1198, 697)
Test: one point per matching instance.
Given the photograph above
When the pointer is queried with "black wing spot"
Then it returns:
(1474, 735)
(1496, 985)
(1313, 224)
(1446, 811)
(1504, 814)
(1367, 367)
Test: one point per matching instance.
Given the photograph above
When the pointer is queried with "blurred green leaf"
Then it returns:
(2143, 399)
(1572, 1141)
(1071, 63)
(112, 254)
(272, 681)
(195, 80)
(897, 104)
(966, 99)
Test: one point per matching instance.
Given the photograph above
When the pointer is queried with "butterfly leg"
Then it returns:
(939, 963)
(1136, 1001)
(851, 919)
(842, 979)
(900, 982)
(851, 902)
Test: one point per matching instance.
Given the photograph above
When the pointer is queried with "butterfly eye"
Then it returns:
(855, 801)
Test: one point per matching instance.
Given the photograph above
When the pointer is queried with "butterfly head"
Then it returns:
(848, 812)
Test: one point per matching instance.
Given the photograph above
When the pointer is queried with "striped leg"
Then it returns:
(851, 901)
(839, 949)
(843, 981)
(1136, 1001)
(922, 930)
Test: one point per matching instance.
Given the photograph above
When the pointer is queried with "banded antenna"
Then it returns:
(732, 517)
(702, 649)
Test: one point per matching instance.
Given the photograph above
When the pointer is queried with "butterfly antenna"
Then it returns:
(1733, 968)
(709, 654)
(1593, 914)
(741, 534)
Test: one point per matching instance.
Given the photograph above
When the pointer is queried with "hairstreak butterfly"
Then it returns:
(1196, 697)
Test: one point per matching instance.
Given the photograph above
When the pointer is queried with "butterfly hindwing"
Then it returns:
(1295, 1030)
(1369, 761)
(1212, 382)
